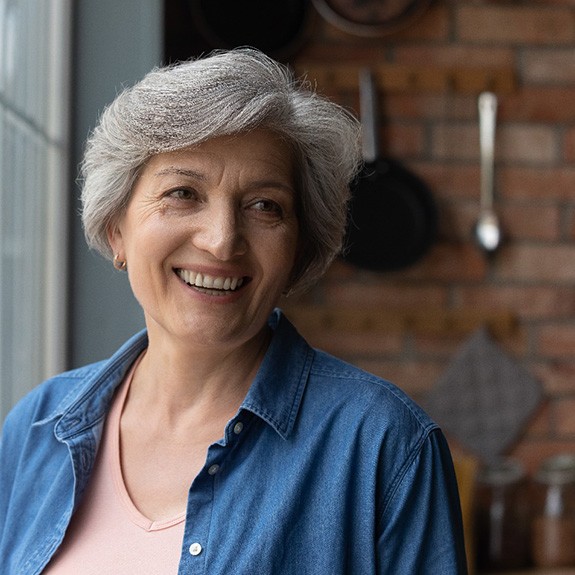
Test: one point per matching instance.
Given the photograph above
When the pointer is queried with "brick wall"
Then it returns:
(526, 50)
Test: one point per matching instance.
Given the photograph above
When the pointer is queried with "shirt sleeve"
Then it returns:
(421, 528)
(11, 437)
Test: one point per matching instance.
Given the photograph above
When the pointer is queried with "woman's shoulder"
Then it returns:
(49, 397)
(56, 394)
(366, 392)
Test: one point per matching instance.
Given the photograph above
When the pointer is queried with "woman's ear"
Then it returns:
(115, 238)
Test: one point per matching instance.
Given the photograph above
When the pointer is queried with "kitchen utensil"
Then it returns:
(484, 398)
(370, 18)
(487, 228)
(276, 28)
(393, 218)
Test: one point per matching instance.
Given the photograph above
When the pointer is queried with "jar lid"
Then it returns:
(559, 469)
(501, 472)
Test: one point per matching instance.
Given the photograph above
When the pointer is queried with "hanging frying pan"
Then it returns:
(370, 18)
(393, 217)
(277, 28)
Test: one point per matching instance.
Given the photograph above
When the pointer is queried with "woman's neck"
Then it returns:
(174, 379)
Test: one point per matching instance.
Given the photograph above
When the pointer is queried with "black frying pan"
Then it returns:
(276, 27)
(393, 217)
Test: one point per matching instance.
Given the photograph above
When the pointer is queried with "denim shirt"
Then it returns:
(324, 470)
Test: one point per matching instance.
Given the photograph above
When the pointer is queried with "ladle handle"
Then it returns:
(368, 111)
(487, 105)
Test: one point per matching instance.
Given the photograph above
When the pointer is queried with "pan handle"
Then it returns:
(368, 111)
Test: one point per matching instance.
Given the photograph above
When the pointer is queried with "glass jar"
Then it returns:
(553, 526)
(502, 517)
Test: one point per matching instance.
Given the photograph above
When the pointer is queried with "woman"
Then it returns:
(218, 441)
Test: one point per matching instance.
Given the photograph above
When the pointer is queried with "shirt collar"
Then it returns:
(85, 406)
(277, 390)
(274, 395)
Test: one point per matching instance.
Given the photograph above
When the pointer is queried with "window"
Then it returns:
(34, 91)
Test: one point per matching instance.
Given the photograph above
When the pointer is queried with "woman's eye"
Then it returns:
(267, 206)
(182, 194)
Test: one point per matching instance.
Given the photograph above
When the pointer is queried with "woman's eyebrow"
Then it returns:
(273, 184)
(175, 170)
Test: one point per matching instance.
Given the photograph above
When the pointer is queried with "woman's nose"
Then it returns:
(221, 233)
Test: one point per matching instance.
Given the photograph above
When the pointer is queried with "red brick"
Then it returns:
(522, 222)
(539, 425)
(569, 145)
(415, 378)
(564, 416)
(450, 180)
(518, 344)
(351, 345)
(427, 107)
(432, 25)
(401, 141)
(515, 143)
(539, 184)
(514, 24)
(340, 270)
(552, 104)
(570, 219)
(443, 347)
(457, 219)
(454, 55)
(557, 2)
(384, 294)
(542, 263)
(527, 302)
(558, 376)
(455, 142)
(548, 66)
(449, 262)
(557, 341)
(522, 143)
(518, 222)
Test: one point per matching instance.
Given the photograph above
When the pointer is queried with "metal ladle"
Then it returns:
(487, 228)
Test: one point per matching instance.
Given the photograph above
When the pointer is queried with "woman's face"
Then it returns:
(210, 237)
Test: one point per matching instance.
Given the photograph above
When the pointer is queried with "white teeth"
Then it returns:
(210, 282)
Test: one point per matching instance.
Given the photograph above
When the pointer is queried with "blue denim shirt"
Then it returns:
(325, 470)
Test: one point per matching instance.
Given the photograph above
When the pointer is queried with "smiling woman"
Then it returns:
(217, 440)
(222, 211)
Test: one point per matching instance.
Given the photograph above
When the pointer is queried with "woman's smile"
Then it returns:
(207, 283)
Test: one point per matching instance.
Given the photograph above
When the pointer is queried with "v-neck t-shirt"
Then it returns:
(108, 534)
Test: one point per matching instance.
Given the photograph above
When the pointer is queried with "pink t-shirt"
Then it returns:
(107, 533)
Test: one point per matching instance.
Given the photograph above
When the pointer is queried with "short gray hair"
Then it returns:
(225, 93)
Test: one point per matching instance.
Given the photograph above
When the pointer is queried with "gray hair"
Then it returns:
(228, 92)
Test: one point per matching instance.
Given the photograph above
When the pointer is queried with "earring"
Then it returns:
(118, 263)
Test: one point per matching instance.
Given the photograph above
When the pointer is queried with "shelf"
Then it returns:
(411, 78)
(422, 321)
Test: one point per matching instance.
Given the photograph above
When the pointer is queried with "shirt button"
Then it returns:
(195, 549)
(238, 427)
(213, 469)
